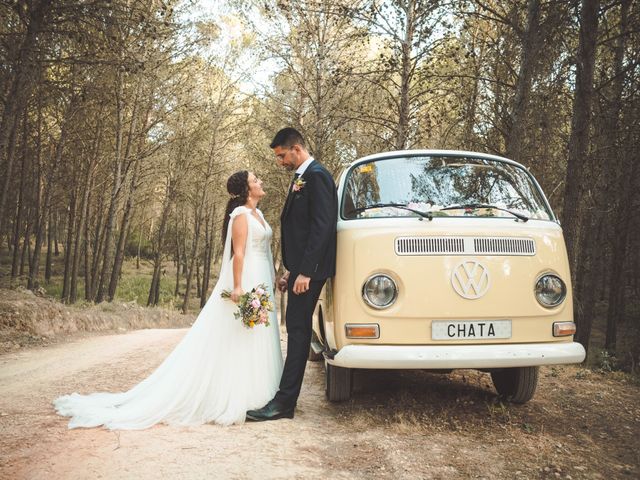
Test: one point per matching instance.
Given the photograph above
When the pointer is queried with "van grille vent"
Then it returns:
(504, 246)
(429, 245)
(465, 246)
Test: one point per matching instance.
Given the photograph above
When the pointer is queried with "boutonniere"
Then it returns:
(298, 184)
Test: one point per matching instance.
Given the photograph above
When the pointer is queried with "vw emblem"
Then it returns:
(470, 279)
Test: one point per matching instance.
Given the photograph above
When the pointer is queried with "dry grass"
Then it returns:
(580, 424)
(27, 319)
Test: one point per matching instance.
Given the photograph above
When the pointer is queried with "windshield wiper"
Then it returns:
(402, 206)
(520, 216)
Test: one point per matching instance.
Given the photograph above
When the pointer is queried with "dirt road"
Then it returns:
(398, 425)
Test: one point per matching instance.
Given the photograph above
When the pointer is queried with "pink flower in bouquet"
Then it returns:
(253, 306)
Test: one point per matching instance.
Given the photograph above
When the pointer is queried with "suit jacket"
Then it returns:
(308, 225)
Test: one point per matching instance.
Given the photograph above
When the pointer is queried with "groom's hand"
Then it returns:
(301, 284)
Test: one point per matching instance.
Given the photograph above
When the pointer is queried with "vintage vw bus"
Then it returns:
(446, 260)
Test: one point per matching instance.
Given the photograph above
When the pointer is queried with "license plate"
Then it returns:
(470, 330)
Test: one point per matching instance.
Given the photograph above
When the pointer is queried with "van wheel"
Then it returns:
(313, 356)
(517, 385)
(338, 383)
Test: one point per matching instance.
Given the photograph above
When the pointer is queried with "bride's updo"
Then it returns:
(238, 188)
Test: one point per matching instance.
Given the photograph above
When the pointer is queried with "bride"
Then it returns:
(220, 369)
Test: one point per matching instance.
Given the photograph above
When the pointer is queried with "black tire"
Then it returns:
(338, 383)
(516, 385)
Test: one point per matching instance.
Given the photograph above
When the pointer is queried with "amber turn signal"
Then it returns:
(362, 330)
(562, 329)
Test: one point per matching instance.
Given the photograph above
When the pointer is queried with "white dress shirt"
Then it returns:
(302, 168)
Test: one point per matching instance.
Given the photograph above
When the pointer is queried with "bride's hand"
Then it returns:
(282, 282)
(236, 294)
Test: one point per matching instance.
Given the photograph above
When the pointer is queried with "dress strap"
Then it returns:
(238, 211)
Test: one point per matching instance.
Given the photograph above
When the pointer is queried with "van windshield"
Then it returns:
(442, 186)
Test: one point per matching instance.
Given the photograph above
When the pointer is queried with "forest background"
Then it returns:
(122, 119)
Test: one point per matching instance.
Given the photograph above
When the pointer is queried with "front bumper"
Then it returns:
(457, 356)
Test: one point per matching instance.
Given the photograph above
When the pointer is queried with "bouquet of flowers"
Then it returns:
(253, 306)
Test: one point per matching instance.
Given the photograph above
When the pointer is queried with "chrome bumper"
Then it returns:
(457, 356)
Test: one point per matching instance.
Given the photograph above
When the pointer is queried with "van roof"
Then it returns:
(444, 153)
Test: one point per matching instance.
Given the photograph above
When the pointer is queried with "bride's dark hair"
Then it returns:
(238, 188)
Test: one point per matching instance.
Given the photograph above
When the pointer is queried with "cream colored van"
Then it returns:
(446, 260)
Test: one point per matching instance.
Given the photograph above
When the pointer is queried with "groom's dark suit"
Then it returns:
(308, 229)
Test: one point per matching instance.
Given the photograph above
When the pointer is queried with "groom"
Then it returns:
(308, 229)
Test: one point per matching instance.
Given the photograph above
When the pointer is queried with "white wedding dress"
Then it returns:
(218, 371)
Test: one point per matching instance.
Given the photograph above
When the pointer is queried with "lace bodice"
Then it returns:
(259, 235)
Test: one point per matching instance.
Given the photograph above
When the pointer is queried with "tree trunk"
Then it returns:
(47, 268)
(119, 254)
(16, 239)
(206, 272)
(585, 290)
(625, 176)
(622, 224)
(83, 229)
(208, 253)
(21, 200)
(468, 140)
(41, 215)
(122, 239)
(635, 266)
(194, 251)
(518, 114)
(115, 193)
(128, 209)
(138, 255)
(176, 290)
(319, 124)
(39, 223)
(87, 248)
(198, 279)
(80, 239)
(26, 71)
(56, 243)
(41, 219)
(406, 77)
(97, 246)
(183, 256)
(154, 289)
(68, 247)
(26, 247)
(580, 125)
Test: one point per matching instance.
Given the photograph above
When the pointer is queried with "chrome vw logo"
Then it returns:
(470, 279)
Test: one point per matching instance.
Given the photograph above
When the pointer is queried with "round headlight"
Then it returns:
(379, 291)
(550, 290)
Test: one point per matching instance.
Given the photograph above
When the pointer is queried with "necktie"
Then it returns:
(295, 177)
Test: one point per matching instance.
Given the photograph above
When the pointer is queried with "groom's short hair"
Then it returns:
(288, 137)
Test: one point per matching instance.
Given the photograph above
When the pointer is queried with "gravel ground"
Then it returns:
(399, 424)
